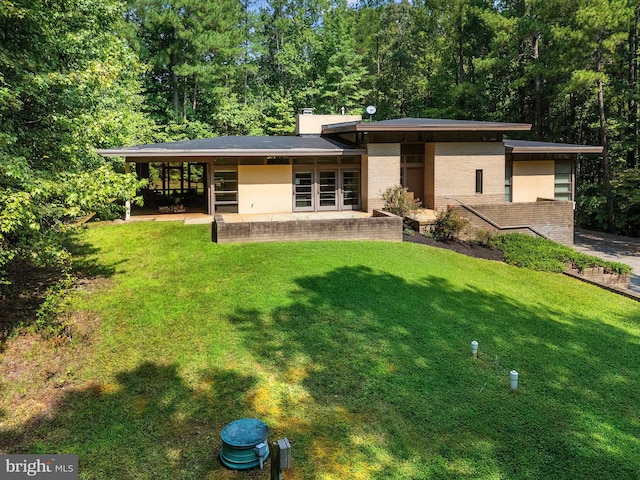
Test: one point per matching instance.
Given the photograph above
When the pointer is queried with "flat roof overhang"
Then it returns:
(424, 125)
(524, 146)
(247, 146)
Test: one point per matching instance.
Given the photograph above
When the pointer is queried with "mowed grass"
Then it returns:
(358, 352)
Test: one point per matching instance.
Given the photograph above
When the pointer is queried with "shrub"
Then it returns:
(49, 317)
(398, 201)
(484, 236)
(548, 256)
(448, 225)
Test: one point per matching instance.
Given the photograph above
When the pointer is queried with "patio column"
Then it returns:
(127, 203)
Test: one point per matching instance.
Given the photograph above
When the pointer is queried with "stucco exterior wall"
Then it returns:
(532, 180)
(312, 124)
(265, 189)
(454, 173)
(382, 170)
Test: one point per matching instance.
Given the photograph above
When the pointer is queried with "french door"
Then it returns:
(327, 191)
(303, 191)
(318, 190)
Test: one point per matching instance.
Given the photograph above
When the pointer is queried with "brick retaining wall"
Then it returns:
(382, 226)
(552, 219)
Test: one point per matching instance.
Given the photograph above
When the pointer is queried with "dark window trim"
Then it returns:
(479, 175)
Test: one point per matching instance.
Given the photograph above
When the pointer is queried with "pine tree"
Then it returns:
(194, 50)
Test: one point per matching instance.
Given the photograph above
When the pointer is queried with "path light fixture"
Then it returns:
(513, 379)
(474, 349)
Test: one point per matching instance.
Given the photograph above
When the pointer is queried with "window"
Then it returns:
(225, 186)
(327, 160)
(412, 153)
(563, 182)
(277, 160)
(478, 181)
(508, 174)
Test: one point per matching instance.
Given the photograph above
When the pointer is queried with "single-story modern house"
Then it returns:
(340, 164)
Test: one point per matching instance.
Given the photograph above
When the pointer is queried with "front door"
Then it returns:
(414, 181)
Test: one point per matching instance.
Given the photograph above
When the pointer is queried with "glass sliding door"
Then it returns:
(327, 190)
(303, 191)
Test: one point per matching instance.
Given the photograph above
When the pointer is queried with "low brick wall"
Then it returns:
(598, 276)
(552, 219)
(382, 226)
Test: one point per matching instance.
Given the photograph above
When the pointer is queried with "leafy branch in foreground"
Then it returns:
(66, 87)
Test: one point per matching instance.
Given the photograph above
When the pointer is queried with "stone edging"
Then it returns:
(607, 285)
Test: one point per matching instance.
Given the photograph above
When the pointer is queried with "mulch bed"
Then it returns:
(470, 249)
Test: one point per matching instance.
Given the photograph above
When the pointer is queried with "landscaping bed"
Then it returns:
(471, 249)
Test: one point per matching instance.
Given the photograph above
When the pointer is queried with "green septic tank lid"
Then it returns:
(244, 433)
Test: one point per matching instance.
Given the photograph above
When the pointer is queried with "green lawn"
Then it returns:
(357, 352)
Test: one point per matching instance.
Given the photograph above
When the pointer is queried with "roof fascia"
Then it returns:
(554, 149)
(307, 152)
(354, 127)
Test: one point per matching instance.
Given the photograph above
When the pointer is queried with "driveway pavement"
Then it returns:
(611, 247)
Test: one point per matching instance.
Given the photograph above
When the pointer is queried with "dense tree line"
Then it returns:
(81, 74)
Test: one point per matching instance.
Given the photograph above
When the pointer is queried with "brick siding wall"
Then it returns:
(552, 219)
(382, 170)
(381, 226)
(454, 172)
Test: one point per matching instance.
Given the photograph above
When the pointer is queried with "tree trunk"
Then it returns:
(174, 86)
(195, 94)
(184, 105)
(460, 51)
(245, 51)
(176, 94)
(606, 171)
(632, 119)
(537, 95)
